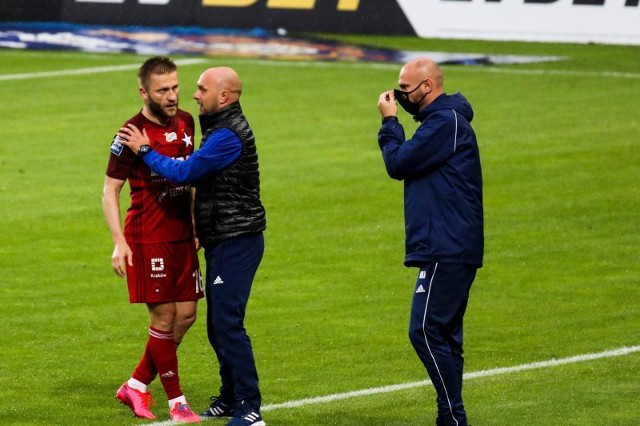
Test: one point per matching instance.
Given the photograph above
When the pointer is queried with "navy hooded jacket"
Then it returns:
(440, 167)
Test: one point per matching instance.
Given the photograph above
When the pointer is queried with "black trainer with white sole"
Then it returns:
(218, 409)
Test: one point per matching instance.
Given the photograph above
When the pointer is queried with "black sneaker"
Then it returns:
(248, 418)
(218, 409)
(441, 423)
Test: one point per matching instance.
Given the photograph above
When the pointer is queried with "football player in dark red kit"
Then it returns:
(157, 249)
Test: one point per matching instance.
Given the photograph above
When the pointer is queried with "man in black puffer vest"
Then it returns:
(230, 221)
(228, 203)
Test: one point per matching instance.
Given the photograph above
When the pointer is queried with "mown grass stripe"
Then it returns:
(326, 64)
(92, 70)
(467, 376)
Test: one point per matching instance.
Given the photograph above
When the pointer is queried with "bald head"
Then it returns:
(217, 88)
(224, 78)
(420, 69)
(424, 75)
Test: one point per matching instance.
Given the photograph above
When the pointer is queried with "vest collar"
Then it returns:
(209, 120)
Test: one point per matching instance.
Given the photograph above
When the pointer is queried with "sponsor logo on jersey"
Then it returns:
(170, 137)
(116, 146)
(174, 192)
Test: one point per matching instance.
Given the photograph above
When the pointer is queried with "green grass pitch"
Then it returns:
(560, 148)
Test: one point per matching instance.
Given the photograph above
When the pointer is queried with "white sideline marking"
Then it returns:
(93, 70)
(563, 73)
(474, 68)
(467, 376)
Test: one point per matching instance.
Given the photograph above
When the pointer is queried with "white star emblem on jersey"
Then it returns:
(187, 140)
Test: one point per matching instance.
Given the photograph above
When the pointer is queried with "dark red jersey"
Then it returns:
(160, 211)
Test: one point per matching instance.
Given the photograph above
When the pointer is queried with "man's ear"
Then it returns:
(143, 93)
(428, 84)
(224, 96)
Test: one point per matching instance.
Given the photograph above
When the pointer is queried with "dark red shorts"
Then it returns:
(164, 272)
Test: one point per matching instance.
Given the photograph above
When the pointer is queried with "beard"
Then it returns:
(159, 112)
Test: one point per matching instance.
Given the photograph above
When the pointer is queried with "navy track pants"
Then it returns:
(231, 267)
(435, 330)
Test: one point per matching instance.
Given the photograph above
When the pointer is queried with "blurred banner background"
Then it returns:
(581, 21)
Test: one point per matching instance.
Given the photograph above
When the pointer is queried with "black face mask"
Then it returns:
(402, 97)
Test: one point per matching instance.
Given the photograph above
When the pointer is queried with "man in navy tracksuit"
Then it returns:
(440, 167)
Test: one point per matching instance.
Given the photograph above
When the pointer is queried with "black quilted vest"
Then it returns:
(228, 202)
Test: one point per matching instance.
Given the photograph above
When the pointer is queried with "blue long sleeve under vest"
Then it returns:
(220, 150)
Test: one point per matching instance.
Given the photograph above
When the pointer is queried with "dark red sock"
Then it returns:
(163, 351)
(146, 370)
